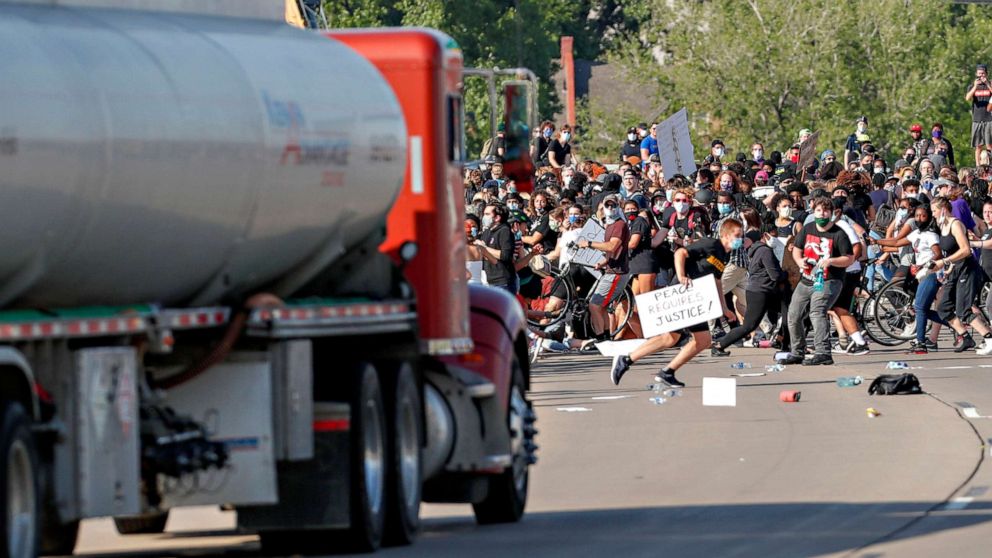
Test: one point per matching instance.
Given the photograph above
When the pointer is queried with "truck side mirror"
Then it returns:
(516, 162)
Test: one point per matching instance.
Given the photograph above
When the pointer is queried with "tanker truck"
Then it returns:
(232, 274)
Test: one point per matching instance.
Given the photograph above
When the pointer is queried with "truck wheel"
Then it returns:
(403, 487)
(508, 490)
(146, 524)
(368, 466)
(21, 502)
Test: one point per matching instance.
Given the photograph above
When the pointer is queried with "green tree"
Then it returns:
(760, 70)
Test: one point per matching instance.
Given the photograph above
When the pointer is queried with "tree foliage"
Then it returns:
(761, 70)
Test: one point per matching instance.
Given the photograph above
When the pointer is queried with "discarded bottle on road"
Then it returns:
(672, 392)
(772, 368)
(657, 400)
(849, 381)
(740, 365)
(896, 365)
(818, 281)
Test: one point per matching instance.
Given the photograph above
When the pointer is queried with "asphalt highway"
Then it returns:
(621, 476)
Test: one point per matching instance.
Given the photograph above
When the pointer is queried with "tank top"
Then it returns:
(949, 245)
(787, 230)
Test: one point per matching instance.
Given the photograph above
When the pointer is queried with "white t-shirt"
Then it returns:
(922, 242)
(564, 255)
(854, 238)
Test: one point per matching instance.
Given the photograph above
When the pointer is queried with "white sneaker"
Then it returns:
(985, 349)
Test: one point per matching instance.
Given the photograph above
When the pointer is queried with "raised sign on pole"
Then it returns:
(676, 307)
(675, 145)
(807, 151)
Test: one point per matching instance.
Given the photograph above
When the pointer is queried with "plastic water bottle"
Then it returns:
(740, 365)
(896, 365)
(657, 400)
(818, 281)
(773, 368)
(672, 392)
(849, 381)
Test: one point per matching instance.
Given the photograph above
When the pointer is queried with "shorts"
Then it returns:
(961, 286)
(846, 297)
(981, 133)
(608, 287)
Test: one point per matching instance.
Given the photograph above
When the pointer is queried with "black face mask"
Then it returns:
(631, 215)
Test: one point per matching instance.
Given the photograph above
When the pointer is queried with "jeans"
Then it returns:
(926, 292)
(804, 300)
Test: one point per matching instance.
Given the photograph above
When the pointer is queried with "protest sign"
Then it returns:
(675, 145)
(807, 151)
(589, 257)
(673, 308)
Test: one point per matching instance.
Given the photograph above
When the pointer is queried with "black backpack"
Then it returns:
(895, 384)
(885, 215)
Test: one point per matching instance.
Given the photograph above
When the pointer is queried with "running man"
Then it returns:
(707, 256)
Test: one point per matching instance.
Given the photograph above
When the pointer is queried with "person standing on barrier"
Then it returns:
(822, 251)
(707, 256)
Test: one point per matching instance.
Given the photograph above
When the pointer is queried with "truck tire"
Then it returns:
(368, 462)
(146, 524)
(20, 505)
(507, 495)
(404, 480)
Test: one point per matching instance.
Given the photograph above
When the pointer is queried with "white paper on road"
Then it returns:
(615, 348)
(573, 409)
(610, 397)
(589, 257)
(673, 308)
(675, 145)
(720, 392)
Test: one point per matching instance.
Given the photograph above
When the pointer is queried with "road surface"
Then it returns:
(620, 476)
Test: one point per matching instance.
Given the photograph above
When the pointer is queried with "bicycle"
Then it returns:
(575, 307)
(898, 316)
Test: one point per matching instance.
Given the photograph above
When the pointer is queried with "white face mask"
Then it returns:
(913, 195)
(681, 207)
(487, 222)
(879, 170)
(631, 137)
(862, 128)
(566, 136)
(758, 154)
(611, 214)
(718, 152)
(785, 212)
(643, 133)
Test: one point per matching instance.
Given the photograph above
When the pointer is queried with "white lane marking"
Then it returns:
(749, 374)
(959, 503)
(971, 412)
(573, 409)
(955, 367)
(610, 397)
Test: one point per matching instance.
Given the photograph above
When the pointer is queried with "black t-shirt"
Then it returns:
(549, 238)
(560, 151)
(641, 257)
(694, 222)
(980, 104)
(707, 256)
(631, 149)
(500, 237)
(817, 245)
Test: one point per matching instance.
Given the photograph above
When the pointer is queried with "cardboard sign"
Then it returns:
(675, 145)
(673, 308)
(589, 257)
(807, 151)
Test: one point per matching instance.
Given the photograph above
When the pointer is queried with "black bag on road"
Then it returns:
(895, 384)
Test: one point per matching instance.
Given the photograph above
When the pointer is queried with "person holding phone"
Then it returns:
(981, 119)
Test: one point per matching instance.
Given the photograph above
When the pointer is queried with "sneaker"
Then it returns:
(718, 334)
(985, 349)
(718, 352)
(669, 379)
(858, 349)
(792, 359)
(930, 345)
(917, 348)
(621, 364)
(841, 348)
(818, 360)
(909, 330)
(967, 342)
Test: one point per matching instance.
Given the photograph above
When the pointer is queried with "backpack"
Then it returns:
(884, 216)
(895, 384)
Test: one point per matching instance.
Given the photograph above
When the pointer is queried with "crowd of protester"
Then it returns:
(792, 247)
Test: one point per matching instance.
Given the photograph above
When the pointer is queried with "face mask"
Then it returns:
(513, 206)
(611, 214)
(909, 158)
(822, 221)
(879, 170)
(758, 154)
(631, 215)
(936, 133)
(723, 208)
(566, 136)
(547, 132)
(681, 207)
(718, 152)
(573, 219)
(785, 212)
(737, 244)
(913, 195)
(554, 225)
(794, 158)
(862, 128)
(901, 214)
(771, 242)
(643, 133)
(541, 210)
(487, 221)
(658, 207)
(668, 195)
(631, 137)
(726, 186)
(474, 232)
(890, 187)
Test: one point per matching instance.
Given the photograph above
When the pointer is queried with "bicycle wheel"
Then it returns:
(894, 314)
(561, 288)
(622, 306)
(983, 295)
(865, 314)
